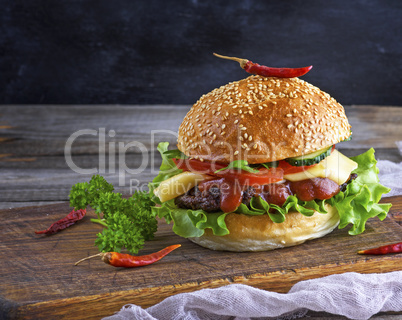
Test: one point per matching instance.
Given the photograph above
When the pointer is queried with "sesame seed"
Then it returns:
(236, 152)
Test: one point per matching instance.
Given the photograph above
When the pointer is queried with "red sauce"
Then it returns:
(231, 192)
(305, 190)
(317, 188)
(231, 195)
(276, 193)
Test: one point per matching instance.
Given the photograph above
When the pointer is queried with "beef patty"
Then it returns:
(208, 200)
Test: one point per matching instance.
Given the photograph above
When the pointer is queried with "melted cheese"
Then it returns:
(336, 167)
(178, 185)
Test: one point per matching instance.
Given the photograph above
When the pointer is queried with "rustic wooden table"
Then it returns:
(36, 167)
(44, 150)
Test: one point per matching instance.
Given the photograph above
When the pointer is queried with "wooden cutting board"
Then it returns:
(39, 279)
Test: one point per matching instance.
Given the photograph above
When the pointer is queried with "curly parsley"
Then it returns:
(129, 222)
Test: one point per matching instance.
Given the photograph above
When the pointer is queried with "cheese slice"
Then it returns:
(178, 185)
(336, 167)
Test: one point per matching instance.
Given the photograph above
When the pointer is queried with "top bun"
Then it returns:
(260, 120)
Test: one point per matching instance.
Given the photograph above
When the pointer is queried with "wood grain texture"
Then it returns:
(33, 166)
(45, 283)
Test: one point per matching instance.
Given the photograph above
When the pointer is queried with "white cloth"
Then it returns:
(390, 176)
(352, 295)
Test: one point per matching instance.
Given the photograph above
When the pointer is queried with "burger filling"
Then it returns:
(215, 187)
(197, 195)
(208, 194)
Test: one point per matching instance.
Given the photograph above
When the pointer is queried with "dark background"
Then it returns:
(160, 52)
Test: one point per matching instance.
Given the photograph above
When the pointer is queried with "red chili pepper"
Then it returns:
(70, 219)
(255, 68)
(390, 248)
(125, 260)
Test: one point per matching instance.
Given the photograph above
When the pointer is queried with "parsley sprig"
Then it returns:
(129, 222)
(239, 165)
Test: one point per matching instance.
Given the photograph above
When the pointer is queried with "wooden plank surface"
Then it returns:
(34, 170)
(39, 279)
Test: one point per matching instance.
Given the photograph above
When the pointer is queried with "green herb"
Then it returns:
(129, 221)
(167, 169)
(239, 165)
(175, 154)
(269, 165)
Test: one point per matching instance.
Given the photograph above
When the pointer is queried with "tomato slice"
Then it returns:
(288, 168)
(264, 175)
(198, 166)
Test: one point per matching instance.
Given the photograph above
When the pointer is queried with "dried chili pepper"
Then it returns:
(124, 260)
(390, 248)
(70, 219)
(255, 68)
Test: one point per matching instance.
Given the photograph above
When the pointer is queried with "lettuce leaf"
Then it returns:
(360, 200)
(167, 169)
(356, 205)
(239, 165)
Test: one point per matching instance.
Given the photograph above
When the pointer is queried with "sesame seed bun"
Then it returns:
(259, 233)
(261, 120)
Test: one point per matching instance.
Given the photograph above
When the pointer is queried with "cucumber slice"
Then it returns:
(311, 158)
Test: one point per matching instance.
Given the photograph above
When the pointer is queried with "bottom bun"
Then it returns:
(260, 233)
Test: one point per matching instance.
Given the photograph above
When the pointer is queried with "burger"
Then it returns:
(256, 169)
